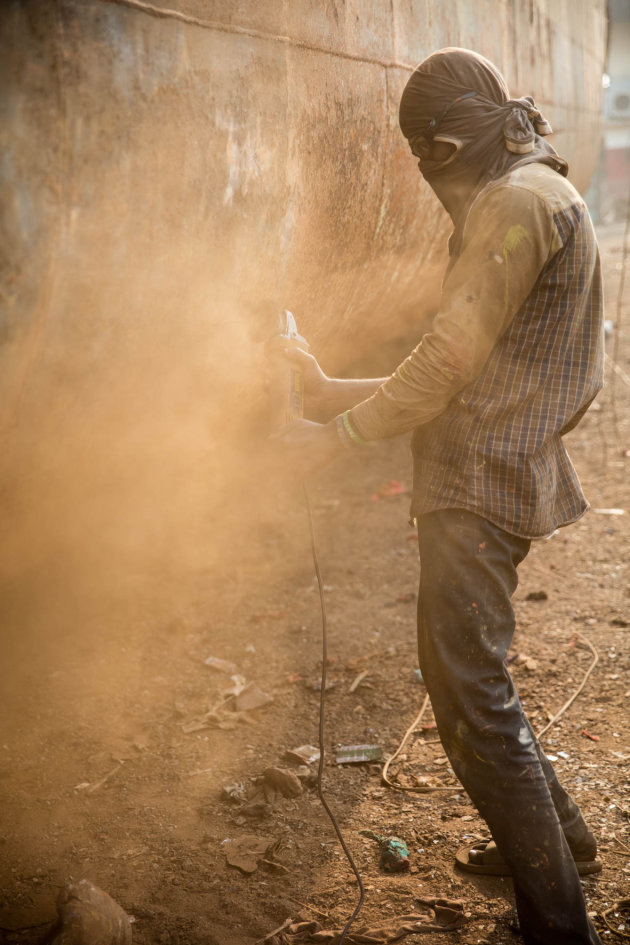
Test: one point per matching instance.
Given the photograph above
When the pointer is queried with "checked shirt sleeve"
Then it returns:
(509, 236)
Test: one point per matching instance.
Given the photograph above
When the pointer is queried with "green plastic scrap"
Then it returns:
(356, 754)
(394, 852)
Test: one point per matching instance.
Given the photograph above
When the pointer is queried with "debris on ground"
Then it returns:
(617, 918)
(246, 851)
(432, 915)
(390, 488)
(222, 666)
(89, 916)
(197, 724)
(262, 794)
(358, 680)
(284, 781)
(358, 754)
(394, 852)
(315, 685)
(303, 755)
(236, 792)
(537, 595)
(530, 664)
(250, 698)
(91, 788)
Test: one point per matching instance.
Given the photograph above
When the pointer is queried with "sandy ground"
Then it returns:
(119, 738)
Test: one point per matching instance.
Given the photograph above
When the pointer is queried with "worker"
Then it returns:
(511, 363)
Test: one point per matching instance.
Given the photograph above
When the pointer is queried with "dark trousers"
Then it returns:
(465, 627)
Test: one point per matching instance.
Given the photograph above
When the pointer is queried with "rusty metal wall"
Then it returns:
(166, 167)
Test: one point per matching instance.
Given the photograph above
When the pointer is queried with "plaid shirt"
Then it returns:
(513, 360)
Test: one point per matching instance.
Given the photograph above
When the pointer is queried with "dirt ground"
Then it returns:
(119, 739)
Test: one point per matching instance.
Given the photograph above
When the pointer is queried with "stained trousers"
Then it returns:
(465, 628)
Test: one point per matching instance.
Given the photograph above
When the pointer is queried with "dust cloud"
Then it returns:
(134, 481)
(136, 466)
(151, 458)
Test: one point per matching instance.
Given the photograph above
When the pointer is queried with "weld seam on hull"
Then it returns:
(164, 13)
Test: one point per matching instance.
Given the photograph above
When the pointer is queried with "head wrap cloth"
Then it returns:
(495, 131)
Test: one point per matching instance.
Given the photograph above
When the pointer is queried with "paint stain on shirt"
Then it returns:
(513, 238)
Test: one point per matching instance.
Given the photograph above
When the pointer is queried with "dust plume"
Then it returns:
(158, 199)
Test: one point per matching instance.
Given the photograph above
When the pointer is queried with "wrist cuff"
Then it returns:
(342, 433)
(347, 433)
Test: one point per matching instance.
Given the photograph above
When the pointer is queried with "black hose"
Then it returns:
(322, 704)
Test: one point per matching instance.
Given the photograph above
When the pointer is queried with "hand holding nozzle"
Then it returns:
(286, 387)
(316, 383)
(306, 446)
(294, 376)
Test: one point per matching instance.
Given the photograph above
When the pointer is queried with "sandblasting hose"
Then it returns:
(322, 704)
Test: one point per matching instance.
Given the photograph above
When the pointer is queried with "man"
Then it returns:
(512, 362)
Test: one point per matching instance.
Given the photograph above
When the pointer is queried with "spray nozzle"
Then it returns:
(287, 328)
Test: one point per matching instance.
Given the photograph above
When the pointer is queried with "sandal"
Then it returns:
(482, 856)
